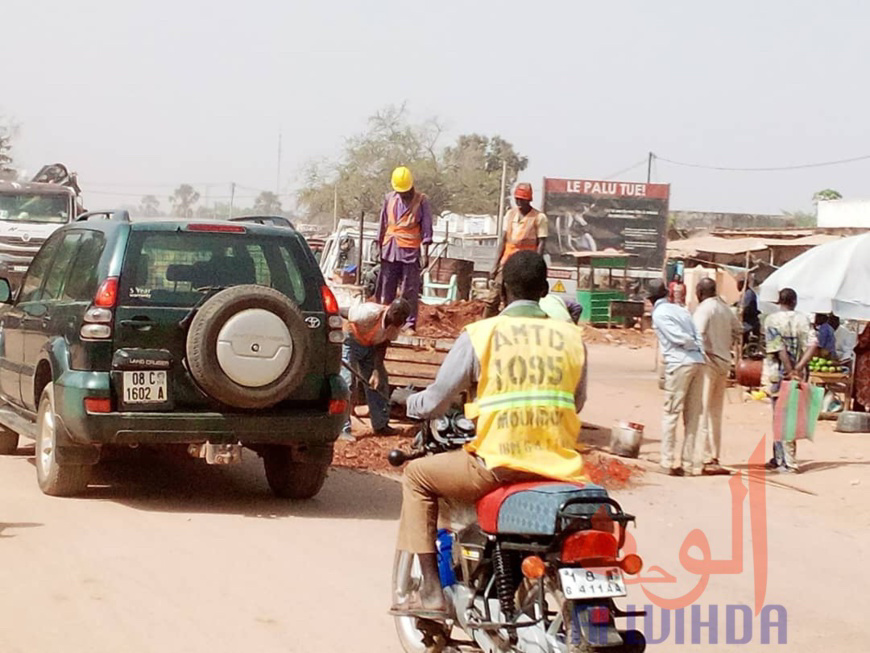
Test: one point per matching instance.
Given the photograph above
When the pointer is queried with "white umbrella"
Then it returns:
(830, 278)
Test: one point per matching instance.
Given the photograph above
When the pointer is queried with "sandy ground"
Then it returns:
(169, 555)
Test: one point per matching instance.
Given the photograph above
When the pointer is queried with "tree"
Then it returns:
(183, 199)
(8, 131)
(473, 172)
(825, 195)
(464, 177)
(150, 206)
(267, 203)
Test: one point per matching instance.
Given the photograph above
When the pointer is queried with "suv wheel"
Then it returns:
(8, 441)
(54, 479)
(248, 347)
(290, 479)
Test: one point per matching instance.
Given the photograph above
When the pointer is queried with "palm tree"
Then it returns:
(150, 206)
(267, 203)
(183, 199)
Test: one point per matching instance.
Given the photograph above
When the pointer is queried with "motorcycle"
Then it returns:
(532, 568)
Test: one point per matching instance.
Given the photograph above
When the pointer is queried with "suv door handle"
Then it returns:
(139, 323)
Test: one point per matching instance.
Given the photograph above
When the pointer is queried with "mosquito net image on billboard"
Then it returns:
(587, 215)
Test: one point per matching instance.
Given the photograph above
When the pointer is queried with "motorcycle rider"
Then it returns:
(529, 376)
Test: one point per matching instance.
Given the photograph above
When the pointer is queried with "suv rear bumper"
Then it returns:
(267, 426)
(310, 427)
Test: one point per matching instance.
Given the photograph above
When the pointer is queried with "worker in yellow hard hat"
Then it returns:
(525, 228)
(405, 231)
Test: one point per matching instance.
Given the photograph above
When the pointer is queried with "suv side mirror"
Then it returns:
(5, 291)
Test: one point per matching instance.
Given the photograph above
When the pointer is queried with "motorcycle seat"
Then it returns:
(531, 508)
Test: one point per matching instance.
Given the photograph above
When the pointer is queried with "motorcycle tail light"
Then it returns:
(631, 564)
(589, 545)
(533, 567)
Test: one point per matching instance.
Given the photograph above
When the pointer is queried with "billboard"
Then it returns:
(589, 215)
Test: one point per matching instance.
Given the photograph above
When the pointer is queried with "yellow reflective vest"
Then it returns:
(526, 419)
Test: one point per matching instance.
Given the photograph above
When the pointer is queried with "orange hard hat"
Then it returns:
(523, 191)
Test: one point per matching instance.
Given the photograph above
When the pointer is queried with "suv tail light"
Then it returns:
(107, 294)
(330, 304)
(98, 318)
(333, 319)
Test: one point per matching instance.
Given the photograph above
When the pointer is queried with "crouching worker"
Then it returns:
(370, 329)
(519, 363)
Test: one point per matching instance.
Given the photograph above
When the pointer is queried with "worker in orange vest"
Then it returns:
(525, 228)
(405, 230)
(369, 329)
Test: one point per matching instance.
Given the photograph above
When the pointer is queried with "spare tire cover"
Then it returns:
(247, 347)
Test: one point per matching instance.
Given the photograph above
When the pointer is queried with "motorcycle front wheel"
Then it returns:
(407, 580)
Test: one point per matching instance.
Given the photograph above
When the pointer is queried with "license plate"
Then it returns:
(579, 583)
(145, 387)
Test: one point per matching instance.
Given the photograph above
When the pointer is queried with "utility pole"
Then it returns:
(649, 162)
(232, 197)
(498, 218)
(278, 174)
(335, 208)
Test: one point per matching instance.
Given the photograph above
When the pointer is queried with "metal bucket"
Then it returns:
(625, 439)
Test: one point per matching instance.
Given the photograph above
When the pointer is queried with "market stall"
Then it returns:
(832, 278)
(605, 303)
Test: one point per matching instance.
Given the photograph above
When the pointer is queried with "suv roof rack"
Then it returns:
(122, 215)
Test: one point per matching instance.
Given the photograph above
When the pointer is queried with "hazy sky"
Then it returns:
(141, 96)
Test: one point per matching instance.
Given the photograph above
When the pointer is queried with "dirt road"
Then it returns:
(168, 555)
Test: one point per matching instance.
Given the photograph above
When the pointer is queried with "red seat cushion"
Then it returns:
(488, 507)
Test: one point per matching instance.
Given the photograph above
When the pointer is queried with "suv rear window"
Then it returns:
(177, 268)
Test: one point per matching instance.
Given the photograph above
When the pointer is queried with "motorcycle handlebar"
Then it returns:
(397, 457)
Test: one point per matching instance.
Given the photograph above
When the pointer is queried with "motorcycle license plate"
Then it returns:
(598, 582)
(147, 387)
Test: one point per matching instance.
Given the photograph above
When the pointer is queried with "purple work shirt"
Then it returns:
(391, 251)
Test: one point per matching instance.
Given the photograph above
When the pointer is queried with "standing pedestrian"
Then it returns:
(719, 329)
(790, 343)
(369, 330)
(677, 291)
(683, 354)
(861, 390)
(525, 228)
(405, 229)
(749, 306)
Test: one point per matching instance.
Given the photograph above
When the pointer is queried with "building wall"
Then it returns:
(702, 220)
(844, 213)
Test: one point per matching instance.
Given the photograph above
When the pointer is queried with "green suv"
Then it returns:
(214, 335)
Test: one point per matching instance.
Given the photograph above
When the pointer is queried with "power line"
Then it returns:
(624, 170)
(800, 166)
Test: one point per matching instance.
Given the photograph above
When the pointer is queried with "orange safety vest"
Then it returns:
(366, 334)
(404, 229)
(520, 236)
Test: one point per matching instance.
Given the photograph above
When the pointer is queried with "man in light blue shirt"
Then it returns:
(683, 353)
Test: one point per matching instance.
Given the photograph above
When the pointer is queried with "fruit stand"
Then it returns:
(834, 377)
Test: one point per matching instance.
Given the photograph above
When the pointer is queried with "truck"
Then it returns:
(30, 212)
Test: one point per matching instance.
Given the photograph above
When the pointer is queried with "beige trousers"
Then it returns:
(684, 388)
(455, 475)
(715, 385)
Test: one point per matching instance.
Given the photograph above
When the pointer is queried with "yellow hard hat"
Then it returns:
(402, 180)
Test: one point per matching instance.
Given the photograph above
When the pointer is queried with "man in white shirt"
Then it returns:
(719, 329)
